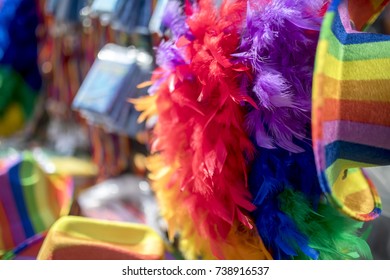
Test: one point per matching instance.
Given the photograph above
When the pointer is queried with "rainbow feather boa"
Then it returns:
(232, 143)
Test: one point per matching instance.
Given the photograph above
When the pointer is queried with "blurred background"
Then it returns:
(67, 71)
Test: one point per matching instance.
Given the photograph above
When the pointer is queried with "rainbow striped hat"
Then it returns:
(351, 106)
(81, 238)
(31, 200)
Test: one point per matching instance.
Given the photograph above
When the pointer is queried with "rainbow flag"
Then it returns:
(351, 107)
(30, 202)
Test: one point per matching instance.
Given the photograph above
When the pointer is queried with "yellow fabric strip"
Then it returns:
(372, 90)
(357, 70)
(42, 197)
(74, 166)
(105, 231)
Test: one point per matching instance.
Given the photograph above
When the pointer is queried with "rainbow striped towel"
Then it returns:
(30, 202)
(351, 107)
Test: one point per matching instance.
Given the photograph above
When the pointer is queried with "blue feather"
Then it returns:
(272, 172)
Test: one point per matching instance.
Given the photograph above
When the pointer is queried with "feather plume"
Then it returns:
(330, 233)
(241, 242)
(291, 219)
(272, 172)
(200, 138)
(278, 44)
(175, 20)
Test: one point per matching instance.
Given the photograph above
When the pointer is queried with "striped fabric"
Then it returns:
(80, 238)
(351, 109)
(30, 201)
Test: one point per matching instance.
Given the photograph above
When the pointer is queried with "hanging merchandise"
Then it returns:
(132, 16)
(66, 56)
(63, 64)
(31, 200)
(104, 6)
(98, 32)
(114, 154)
(351, 107)
(80, 238)
(66, 11)
(156, 26)
(102, 100)
(121, 22)
(103, 96)
(113, 131)
(20, 80)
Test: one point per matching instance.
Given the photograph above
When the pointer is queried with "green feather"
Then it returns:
(334, 236)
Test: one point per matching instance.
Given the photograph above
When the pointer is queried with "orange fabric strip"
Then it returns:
(357, 111)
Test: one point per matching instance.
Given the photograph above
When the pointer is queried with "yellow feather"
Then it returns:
(241, 243)
(146, 105)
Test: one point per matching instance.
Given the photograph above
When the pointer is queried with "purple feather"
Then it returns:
(279, 43)
(169, 56)
(175, 20)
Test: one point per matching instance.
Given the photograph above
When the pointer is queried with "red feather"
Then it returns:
(200, 123)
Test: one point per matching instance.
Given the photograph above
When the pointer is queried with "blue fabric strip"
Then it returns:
(19, 199)
(356, 152)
